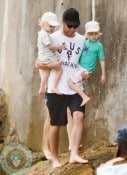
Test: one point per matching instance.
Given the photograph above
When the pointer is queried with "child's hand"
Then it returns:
(62, 47)
(103, 80)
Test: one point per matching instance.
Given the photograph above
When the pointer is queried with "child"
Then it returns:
(91, 54)
(46, 52)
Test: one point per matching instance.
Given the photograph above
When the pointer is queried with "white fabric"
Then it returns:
(69, 58)
(112, 170)
(51, 18)
(77, 78)
(92, 26)
(45, 55)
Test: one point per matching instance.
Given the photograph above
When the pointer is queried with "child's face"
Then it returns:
(49, 28)
(86, 75)
(93, 36)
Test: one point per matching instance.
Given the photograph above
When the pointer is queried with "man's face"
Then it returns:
(69, 30)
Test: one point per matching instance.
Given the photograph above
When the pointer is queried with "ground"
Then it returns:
(95, 154)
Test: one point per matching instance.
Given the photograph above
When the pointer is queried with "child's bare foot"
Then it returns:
(85, 100)
(56, 164)
(55, 90)
(41, 93)
(77, 159)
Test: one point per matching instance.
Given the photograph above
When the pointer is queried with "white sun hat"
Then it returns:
(92, 26)
(51, 18)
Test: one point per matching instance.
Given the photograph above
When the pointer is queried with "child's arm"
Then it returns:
(103, 74)
(54, 48)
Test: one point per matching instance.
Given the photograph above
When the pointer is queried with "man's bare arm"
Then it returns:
(39, 65)
(52, 65)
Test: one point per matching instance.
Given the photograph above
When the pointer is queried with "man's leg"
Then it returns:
(54, 142)
(58, 119)
(69, 126)
(76, 136)
(46, 147)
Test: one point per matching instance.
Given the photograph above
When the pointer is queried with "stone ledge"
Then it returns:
(95, 155)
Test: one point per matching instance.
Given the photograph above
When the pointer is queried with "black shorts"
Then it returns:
(57, 106)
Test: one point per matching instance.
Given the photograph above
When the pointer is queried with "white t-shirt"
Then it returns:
(45, 55)
(69, 57)
(113, 170)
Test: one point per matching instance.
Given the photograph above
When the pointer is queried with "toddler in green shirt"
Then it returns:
(92, 53)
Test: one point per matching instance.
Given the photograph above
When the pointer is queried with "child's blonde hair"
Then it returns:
(41, 23)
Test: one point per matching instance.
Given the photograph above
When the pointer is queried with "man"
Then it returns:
(57, 104)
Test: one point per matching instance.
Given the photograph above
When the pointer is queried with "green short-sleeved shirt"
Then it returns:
(93, 51)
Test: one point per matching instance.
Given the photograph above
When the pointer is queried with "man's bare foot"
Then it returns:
(77, 159)
(56, 91)
(56, 164)
(47, 154)
(85, 100)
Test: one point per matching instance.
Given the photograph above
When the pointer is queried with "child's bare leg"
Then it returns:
(77, 89)
(44, 78)
(56, 81)
(85, 100)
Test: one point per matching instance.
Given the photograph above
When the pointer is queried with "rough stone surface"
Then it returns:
(96, 155)
(3, 116)
(3, 106)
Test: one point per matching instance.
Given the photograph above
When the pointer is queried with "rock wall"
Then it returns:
(3, 116)
(108, 110)
(20, 81)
